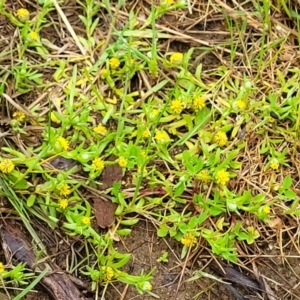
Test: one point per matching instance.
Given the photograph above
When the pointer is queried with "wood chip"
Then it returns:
(104, 212)
(57, 283)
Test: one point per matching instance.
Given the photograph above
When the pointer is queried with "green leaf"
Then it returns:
(202, 218)
(182, 227)
(19, 184)
(129, 222)
(193, 222)
(287, 182)
(162, 231)
(235, 164)
(242, 236)
(217, 158)
(15, 153)
(31, 200)
(215, 210)
(164, 257)
(123, 261)
(173, 231)
(184, 252)
(124, 232)
(179, 189)
(290, 194)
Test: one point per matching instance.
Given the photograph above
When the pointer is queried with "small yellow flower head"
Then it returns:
(204, 176)
(100, 129)
(144, 154)
(176, 58)
(23, 14)
(161, 136)
(176, 106)
(198, 103)
(271, 120)
(19, 116)
(123, 162)
(63, 203)
(267, 209)
(221, 138)
(274, 164)
(86, 220)
(222, 177)
(145, 134)
(98, 164)
(188, 239)
(7, 166)
(64, 190)
(63, 143)
(104, 73)
(33, 35)
(241, 104)
(114, 63)
(108, 273)
(147, 286)
(153, 114)
(2, 269)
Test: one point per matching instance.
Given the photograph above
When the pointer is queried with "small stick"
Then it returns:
(69, 27)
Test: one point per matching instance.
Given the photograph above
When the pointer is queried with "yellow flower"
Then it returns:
(34, 35)
(63, 203)
(141, 169)
(221, 138)
(222, 177)
(274, 164)
(176, 106)
(188, 239)
(63, 143)
(19, 116)
(271, 120)
(176, 58)
(64, 190)
(153, 114)
(145, 134)
(98, 164)
(241, 104)
(7, 166)
(100, 129)
(86, 220)
(109, 273)
(204, 176)
(2, 269)
(170, 2)
(23, 14)
(114, 63)
(267, 209)
(147, 286)
(123, 162)
(144, 154)
(161, 136)
(199, 102)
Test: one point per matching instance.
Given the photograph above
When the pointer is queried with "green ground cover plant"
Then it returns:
(208, 155)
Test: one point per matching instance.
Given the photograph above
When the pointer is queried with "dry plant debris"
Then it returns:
(157, 142)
